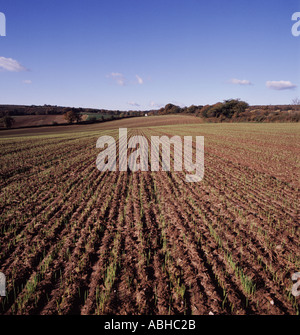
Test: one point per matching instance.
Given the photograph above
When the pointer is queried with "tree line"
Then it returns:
(236, 110)
(230, 110)
(225, 109)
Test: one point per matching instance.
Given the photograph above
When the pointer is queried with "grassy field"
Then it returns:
(77, 240)
(96, 116)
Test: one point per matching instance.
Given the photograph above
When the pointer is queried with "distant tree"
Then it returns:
(192, 109)
(78, 116)
(240, 107)
(69, 116)
(215, 110)
(203, 111)
(233, 107)
(8, 121)
(296, 103)
(222, 110)
(170, 109)
(72, 116)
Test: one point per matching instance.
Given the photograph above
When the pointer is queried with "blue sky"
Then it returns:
(142, 54)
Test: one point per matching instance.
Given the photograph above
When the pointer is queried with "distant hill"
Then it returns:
(14, 110)
(232, 110)
(35, 116)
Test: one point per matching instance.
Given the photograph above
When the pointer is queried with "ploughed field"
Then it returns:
(74, 240)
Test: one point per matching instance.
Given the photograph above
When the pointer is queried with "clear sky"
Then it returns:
(142, 54)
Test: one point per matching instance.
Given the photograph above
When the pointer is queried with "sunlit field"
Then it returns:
(74, 240)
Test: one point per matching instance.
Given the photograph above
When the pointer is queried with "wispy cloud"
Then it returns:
(280, 85)
(134, 104)
(240, 82)
(139, 79)
(27, 82)
(9, 64)
(118, 78)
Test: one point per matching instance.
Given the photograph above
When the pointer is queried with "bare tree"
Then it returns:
(296, 103)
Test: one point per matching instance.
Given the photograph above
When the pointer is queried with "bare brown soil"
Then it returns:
(39, 120)
(77, 241)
